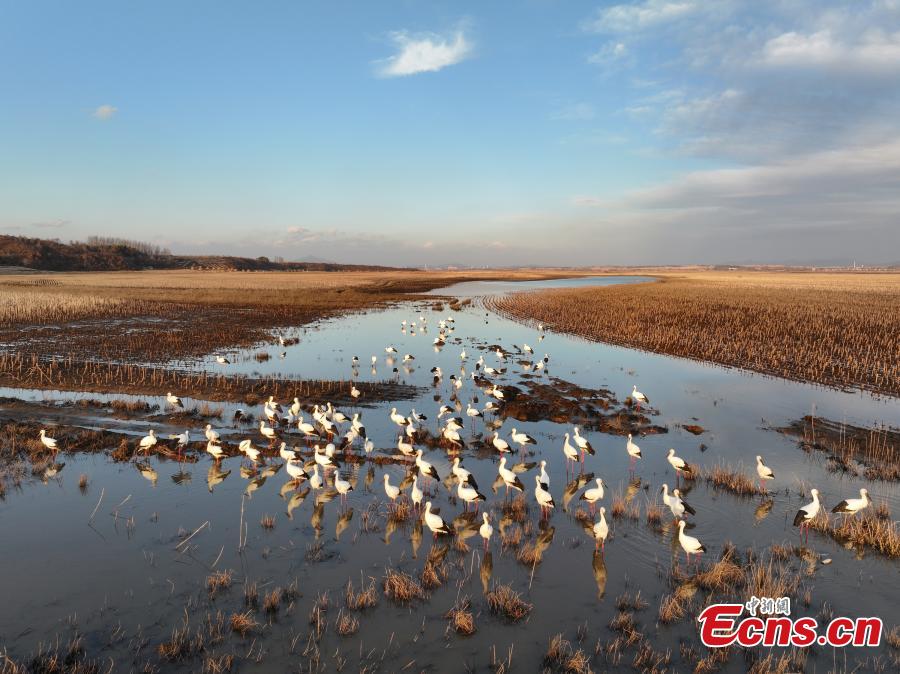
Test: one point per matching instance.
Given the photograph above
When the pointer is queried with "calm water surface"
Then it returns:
(123, 582)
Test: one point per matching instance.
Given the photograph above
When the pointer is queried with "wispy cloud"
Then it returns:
(626, 18)
(105, 112)
(609, 53)
(874, 50)
(424, 53)
(575, 112)
(51, 224)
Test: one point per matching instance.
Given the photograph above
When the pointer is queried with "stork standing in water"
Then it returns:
(808, 513)
(675, 503)
(582, 444)
(486, 530)
(639, 397)
(47, 441)
(543, 497)
(391, 490)
(593, 494)
(690, 545)
(764, 472)
(435, 522)
(426, 468)
(851, 506)
(680, 465)
(500, 444)
(570, 453)
(148, 441)
(342, 486)
(469, 494)
(522, 439)
(510, 479)
(416, 494)
(633, 451)
(601, 530)
(267, 431)
(174, 401)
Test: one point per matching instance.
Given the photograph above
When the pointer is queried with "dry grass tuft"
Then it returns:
(460, 618)
(511, 537)
(346, 624)
(625, 625)
(218, 664)
(401, 587)
(724, 574)
(863, 531)
(629, 602)
(648, 660)
(400, 512)
(793, 660)
(243, 623)
(267, 522)
(726, 478)
(563, 657)
(217, 582)
(272, 601)
(671, 609)
(367, 597)
(624, 509)
(251, 594)
(503, 600)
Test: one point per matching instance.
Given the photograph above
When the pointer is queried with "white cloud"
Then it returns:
(51, 224)
(587, 201)
(575, 112)
(424, 54)
(105, 112)
(609, 53)
(637, 16)
(874, 49)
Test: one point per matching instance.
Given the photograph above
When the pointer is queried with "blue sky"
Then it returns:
(542, 131)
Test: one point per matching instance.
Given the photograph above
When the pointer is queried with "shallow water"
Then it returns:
(124, 569)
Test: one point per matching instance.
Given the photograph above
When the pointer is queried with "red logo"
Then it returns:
(721, 626)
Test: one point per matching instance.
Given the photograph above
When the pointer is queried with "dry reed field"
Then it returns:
(184, 314)
(840, 330)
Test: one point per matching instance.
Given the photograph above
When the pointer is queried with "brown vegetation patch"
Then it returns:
(460, 619)
(243, 623)
(367, 596)
(725, 477)
(401, 587)
(807, 327)
(563, 657)
(217, 582)
(24, 370)
(503, 600)
(865, 530)
(873, 453)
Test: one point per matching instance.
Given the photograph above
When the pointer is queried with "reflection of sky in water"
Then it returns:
(139, 576)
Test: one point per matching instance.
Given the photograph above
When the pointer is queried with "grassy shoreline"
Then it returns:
(838, 330)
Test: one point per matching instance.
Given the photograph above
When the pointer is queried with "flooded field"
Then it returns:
(116, 559)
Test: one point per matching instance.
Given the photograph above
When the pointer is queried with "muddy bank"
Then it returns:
(563, 402)
(870, 452)
(33, 372)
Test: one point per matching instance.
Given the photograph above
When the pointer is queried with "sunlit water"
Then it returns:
(122, 570)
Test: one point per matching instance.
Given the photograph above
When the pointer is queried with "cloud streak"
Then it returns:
(104, 112)
(424, 53)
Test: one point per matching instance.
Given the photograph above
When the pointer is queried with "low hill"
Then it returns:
(53, 255)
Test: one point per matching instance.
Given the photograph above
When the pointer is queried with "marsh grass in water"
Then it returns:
(799, 326)
(505, 601)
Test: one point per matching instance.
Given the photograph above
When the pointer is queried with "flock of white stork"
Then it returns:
(328, 422)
